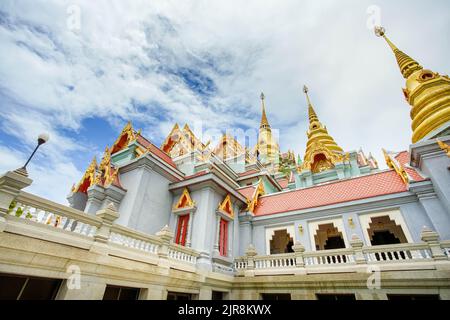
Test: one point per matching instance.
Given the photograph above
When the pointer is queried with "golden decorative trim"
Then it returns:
(128, 134)
(185, 201)
(227, 206)
(445, 147)
(89, 174)
(393, 164)
(259, 191)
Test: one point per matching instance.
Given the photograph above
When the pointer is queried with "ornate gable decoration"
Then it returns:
(320, 158)
(185, 201)
(88, 178)
(107, 173)
(103, 175)
(259, 191)
(181, 141)
(228, 147)
(393, 164)
(445, 147)
(125, 138)
(226, 206)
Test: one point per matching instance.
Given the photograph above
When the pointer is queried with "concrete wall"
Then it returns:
(412, 211)
(147, 203)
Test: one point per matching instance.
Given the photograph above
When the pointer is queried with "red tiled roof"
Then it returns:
(283, 182)
(403, 160)
(247, 173)
(155, 150)
(376, 184)
(197, 174)
(247, 192)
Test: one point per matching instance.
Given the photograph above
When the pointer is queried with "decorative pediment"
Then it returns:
(259, 191)
(393, 164)
(107, 173)
(103, 175)
(185, 201)
(228, 147)
(88, 178)
(320, 158)
(226, 206)
(125, 138)
(181, 141)
(445, 147)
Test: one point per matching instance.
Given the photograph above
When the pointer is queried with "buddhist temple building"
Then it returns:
(191, 219)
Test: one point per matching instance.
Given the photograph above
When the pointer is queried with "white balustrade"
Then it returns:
(328, 257)
(56, 217)
(130, 242)
(275, 261)
(179, 253)
(397, 252)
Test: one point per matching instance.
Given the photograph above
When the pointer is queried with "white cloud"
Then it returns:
(130, 60)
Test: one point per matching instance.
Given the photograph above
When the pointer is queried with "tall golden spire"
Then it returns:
(311, 113)
(264, 122)
(322, 152)
(267, 148)
(406, 64)
(426, 91)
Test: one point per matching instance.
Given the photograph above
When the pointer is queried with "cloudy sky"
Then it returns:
(80, 70)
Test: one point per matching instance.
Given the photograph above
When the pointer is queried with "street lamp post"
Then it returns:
(42, 138)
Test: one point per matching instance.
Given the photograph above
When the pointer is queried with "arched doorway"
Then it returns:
(328, 237)
(281, 242)
(384, 231)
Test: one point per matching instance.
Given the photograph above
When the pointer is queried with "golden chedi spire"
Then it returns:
(426, 91)
(267, 148)
(264, 122)
(322, 152)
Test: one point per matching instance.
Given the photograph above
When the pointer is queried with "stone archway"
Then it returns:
(281, 242)
(382, 230)
(328, 237)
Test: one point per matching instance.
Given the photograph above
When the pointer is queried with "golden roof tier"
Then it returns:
(426, 91)
(322, 152)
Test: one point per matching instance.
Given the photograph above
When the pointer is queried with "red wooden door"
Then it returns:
(183, 222)
(223, 235)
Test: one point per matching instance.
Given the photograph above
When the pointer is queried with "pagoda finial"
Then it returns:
(406, 64)
(264, 121)
(311, 113)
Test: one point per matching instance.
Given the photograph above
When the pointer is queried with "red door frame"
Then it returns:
(223, 237)
(183, 222)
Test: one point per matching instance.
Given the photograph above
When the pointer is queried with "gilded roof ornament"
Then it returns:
(185, 201)
(322, 152)
(227, 206)
(445, 147)
(426, 91)
(259, 191)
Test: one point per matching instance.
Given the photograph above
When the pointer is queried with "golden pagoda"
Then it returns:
(426, 91)
(267, 148)
(322, 152)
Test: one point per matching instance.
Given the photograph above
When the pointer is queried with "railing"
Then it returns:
(398, 252)
(329, 257)
(87, 230)
(344, 260)
(183, 254)
(36, 209)
(134, 239)
(445, 246)
(275, 261)
(241, 263)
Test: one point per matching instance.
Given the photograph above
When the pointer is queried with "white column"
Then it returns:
(189, 230)
(230, 237)
(216, 243)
